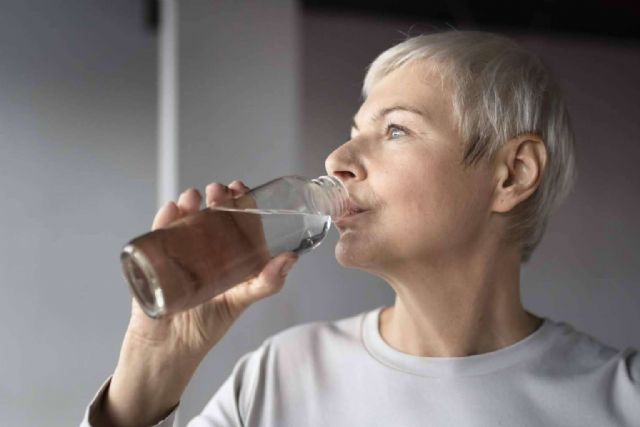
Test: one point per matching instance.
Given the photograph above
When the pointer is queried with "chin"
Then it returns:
(354, 256)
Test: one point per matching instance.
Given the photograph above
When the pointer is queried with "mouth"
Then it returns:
(353, 211)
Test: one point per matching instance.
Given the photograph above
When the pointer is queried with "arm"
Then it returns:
(159, 356)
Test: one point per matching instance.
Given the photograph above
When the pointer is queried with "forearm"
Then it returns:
(146, 385)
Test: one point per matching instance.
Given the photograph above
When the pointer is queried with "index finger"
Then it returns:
(238, 188)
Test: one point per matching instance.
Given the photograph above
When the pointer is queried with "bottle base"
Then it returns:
(143, 281)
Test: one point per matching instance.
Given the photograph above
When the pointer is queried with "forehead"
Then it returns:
(416, 85)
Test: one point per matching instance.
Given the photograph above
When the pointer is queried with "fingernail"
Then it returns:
(287, 267)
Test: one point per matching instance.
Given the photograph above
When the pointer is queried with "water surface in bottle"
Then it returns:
(287, 230)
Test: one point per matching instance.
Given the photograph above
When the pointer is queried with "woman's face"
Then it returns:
(403, 164)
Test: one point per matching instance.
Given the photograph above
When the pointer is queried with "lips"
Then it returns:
(354, 209)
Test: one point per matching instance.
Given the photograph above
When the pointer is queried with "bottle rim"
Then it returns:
(341, 205)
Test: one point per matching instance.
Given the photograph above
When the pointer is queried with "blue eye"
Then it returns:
(395, 131)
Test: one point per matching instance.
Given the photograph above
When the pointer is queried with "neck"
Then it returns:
(461, 309)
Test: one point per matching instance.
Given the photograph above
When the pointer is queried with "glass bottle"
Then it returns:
(203, 254)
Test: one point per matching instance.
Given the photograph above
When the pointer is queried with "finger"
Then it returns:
(189, 201)
(165, 215)
(217, 193)
(238, 188)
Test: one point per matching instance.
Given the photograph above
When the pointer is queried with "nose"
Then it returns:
(344, 163)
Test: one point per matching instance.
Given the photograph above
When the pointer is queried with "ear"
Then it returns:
(519, 167)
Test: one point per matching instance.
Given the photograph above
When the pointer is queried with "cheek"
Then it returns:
(438, 210)
(422, 197)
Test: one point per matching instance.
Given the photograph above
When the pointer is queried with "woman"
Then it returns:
(458, 154)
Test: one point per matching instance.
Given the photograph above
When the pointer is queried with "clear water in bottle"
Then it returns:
(203, 255)
(286, 230)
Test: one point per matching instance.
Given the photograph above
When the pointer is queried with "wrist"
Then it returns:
(147, 383)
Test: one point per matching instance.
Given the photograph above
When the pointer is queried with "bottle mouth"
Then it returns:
(339, 195)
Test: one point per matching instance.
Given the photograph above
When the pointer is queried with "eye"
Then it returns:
(395, 131)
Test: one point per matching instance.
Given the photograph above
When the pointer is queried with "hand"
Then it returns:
(196, 331)
(159, 356)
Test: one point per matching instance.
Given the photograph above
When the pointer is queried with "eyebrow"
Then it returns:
(381, 113)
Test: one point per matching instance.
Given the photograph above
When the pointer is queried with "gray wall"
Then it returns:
(585, 271)
(77, 179)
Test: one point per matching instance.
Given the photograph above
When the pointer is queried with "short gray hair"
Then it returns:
(499, 91)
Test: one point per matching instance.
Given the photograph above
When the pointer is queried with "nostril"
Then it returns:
(344, 175)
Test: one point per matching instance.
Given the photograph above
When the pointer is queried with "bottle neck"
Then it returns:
(335, 195)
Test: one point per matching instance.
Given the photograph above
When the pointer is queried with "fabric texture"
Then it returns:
(343, 373)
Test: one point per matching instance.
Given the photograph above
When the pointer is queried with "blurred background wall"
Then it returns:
(77, 179)
(265, 89)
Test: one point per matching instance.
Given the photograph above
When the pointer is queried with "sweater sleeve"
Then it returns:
(626, 385)
(228, 407)
(232, 403)
(87, 420)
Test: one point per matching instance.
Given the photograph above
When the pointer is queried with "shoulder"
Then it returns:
(310, 347)
(305, 340)
(310, 344)
(313, 336)
(581, 347)
(579, 352)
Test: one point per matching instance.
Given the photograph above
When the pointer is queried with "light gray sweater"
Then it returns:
(343, 373)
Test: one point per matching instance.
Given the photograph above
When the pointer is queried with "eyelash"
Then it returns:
(391, 126)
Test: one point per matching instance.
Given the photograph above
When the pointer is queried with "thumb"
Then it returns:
(281, 265)
(274, 274)
(269, 282)
(272, 277)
